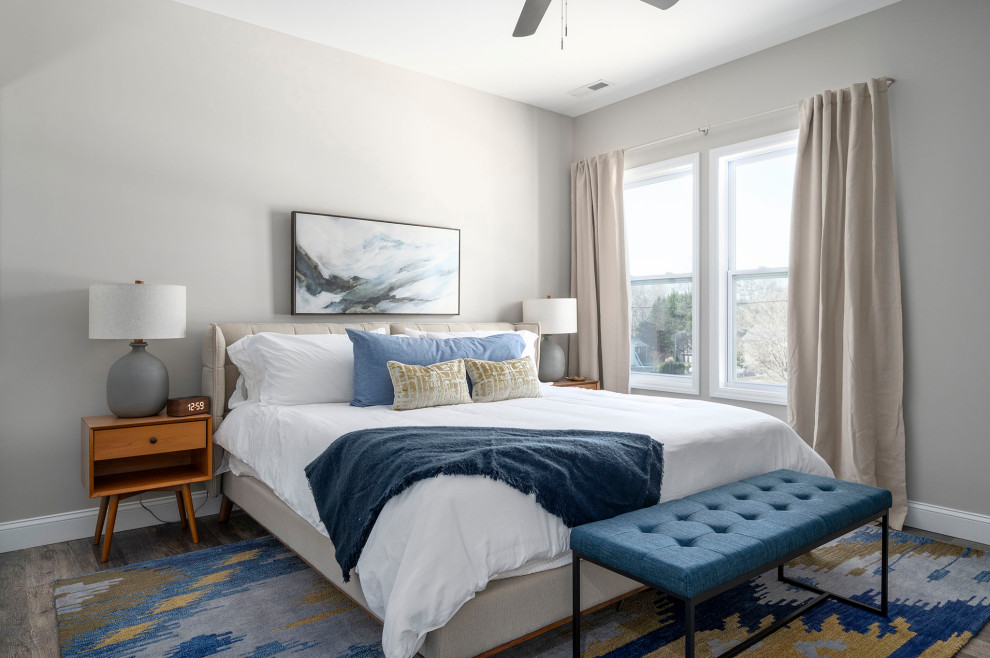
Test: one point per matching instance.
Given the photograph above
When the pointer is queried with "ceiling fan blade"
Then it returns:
(661, 4)
(530, 17)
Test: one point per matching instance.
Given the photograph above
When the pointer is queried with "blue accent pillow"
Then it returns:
(372, 352)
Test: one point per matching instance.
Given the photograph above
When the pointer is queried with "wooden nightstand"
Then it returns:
(122, 457)
(592, 384)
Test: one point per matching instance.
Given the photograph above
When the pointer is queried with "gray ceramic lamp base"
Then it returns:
(553, 361)
(137, 384)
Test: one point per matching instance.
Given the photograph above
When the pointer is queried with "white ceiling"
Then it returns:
(626, 42)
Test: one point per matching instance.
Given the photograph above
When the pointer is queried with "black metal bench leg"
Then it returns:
(885, 559)
(576, 606)
(689, 628)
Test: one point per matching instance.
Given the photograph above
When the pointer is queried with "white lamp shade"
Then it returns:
(137, 310)
(555, 315)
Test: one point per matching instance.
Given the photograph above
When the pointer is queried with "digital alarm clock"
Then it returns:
(188, 406)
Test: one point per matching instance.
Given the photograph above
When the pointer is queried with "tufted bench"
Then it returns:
(701, 545)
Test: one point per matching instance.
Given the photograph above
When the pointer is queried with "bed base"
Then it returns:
(504, 614)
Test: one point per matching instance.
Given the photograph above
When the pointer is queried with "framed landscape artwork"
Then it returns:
(351, 265)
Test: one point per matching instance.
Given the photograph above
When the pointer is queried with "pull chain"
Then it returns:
(563, 22)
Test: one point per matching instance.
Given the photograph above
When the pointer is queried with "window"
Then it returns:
(752, 187)
(661, 223)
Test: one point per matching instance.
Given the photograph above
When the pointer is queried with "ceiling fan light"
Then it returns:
(661, 4)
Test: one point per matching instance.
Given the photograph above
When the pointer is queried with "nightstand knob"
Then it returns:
(153, 440)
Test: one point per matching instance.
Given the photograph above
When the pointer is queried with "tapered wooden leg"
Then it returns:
(104, 503)
(182, 507)
(226, 504)
(190, 513)
(111, 518)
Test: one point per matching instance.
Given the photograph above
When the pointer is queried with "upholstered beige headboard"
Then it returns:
(220, 375)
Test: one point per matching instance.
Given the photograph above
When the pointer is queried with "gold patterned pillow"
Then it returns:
(416, 387)
(492, 381)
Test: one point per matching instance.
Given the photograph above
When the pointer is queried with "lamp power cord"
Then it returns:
(161, 520)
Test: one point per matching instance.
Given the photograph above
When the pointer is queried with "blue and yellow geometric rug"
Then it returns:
(939, 599)
(256, 598)
(253, 598)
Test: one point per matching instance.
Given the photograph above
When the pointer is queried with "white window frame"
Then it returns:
(641, 176)
(722, 347)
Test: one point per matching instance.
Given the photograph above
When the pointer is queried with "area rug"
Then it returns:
(252, 598)
(256, 598)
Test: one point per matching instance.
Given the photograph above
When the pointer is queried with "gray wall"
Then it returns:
(144, 139)
(938, 53)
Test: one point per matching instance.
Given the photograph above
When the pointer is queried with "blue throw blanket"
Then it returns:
(579, 475)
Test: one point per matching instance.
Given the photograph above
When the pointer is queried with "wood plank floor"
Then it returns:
(27, 612)
(27, 609)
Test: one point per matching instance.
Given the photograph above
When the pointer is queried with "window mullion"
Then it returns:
(763, 271)
(665, 278)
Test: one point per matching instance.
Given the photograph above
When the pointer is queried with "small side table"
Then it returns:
(592, 384)
(122, 457)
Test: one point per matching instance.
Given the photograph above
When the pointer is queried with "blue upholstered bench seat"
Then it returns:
(694, 544)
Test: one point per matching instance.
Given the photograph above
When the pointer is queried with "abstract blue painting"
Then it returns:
(351, 265)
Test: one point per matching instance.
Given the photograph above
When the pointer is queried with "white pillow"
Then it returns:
(528, 336)
(239, 396)
(248, 386)
(292, 369)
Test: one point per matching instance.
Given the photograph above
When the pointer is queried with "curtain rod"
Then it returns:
(704, 131)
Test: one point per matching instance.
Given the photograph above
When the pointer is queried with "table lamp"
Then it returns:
(556, 316)
(137, 384)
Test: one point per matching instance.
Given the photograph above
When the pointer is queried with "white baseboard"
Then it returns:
(948, 521)
(27, 533)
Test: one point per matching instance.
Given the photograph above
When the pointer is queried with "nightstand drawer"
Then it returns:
(148, 440)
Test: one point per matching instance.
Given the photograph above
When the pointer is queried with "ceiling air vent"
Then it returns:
(590, 88)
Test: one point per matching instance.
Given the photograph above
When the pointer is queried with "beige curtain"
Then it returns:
(846, 355)
(600, 349)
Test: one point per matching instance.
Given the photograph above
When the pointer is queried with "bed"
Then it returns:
(706, 445)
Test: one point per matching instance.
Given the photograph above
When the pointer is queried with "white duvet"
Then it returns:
(442, 540)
